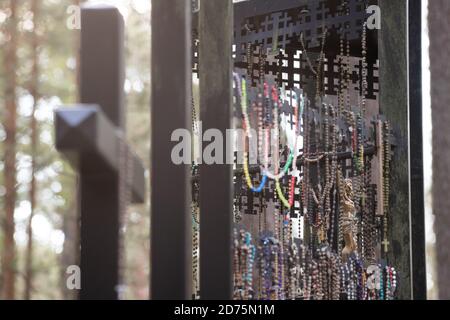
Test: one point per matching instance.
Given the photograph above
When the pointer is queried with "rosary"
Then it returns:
(314, 166)
(319, 189)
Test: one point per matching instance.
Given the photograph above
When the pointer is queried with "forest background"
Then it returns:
(38, 204)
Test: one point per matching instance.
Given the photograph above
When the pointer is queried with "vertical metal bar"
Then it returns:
(400, 101)
(171, 245)
(418, 263)
(393, 51)
(102, 76)
(216, 180)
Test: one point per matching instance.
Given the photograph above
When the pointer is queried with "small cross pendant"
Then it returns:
(385, 244)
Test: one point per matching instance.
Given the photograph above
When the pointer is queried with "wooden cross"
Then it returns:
(91, 135)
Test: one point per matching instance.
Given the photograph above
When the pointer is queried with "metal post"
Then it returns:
(400, 101)
(171, 246)
(418, 263)
(216, 182)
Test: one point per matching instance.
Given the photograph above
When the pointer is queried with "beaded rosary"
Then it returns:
(313, 272)
(322, 200)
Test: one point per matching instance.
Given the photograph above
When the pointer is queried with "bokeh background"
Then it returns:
(43, 60)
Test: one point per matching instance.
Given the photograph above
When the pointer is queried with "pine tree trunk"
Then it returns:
(9, 64)
(71, 249)
(439, 27)
(70, 254)
(34, 91)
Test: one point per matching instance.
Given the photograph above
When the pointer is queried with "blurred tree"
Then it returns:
(70, 226)
(137, 86)
(43, 77)
(439, 27)
(54, 200)
(34, 90)
(58, 86)
(9, 170)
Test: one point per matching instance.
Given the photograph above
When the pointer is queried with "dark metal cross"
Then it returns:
(91, 136)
